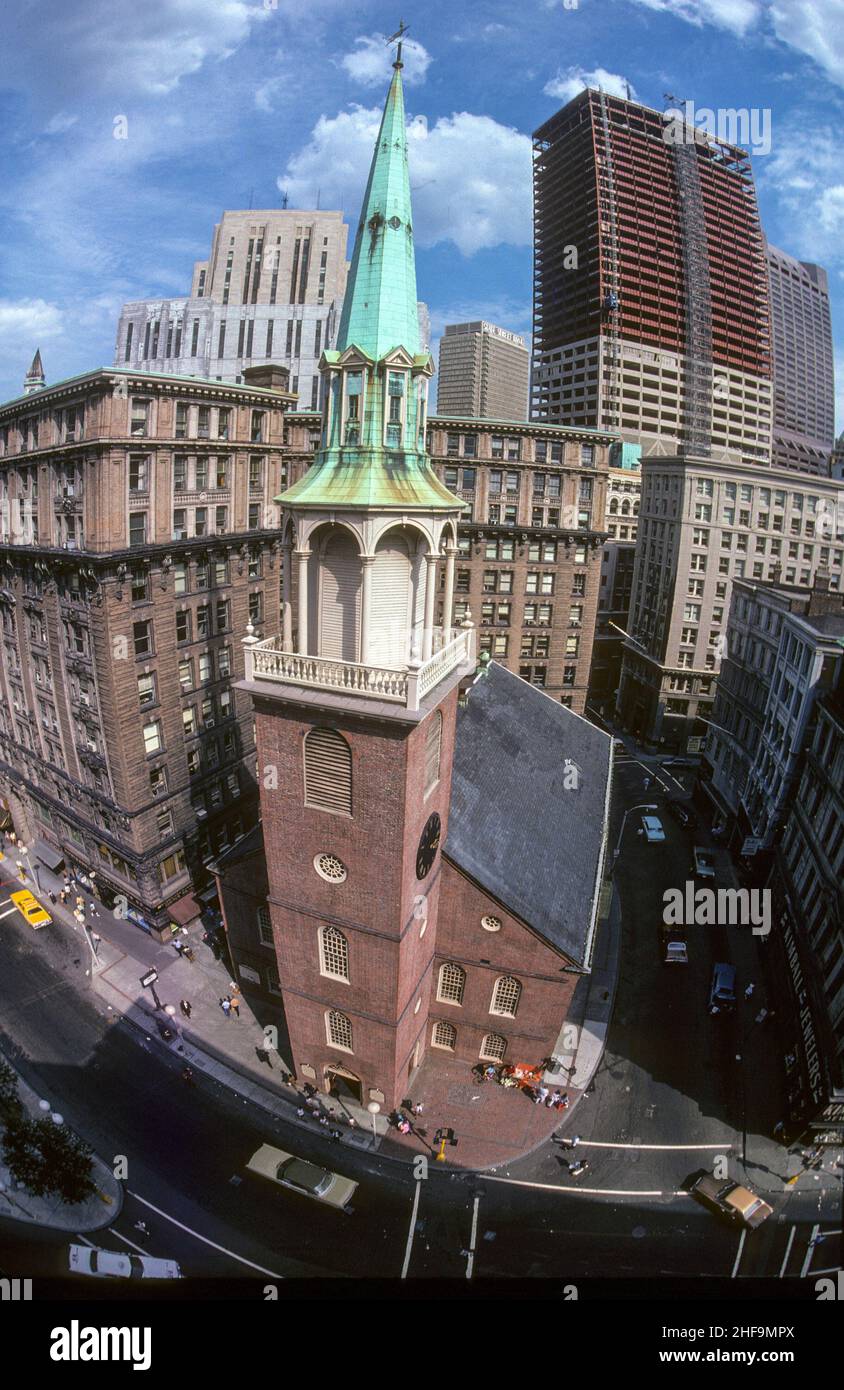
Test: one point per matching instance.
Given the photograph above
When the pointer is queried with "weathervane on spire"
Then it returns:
(399, 34)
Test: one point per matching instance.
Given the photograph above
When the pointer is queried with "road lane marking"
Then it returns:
(652, 776)
(410, 1234)
(738, 1254)
(600, 1191)
(7, 914)
(470, 1263)
(787, 1252)
(222, 1248)
(809, 1252)
(670, 1148)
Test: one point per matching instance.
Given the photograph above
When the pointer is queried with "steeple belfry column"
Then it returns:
(303, 556)
(367, 562)
(450, 556)
(430, 597)
(287, 590)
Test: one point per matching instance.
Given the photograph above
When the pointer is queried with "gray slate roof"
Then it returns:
(514, 826)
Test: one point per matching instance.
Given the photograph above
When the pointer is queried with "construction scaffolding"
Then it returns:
(611, 302)
(697, 414)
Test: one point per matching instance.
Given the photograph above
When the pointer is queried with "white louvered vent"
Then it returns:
(328, 772)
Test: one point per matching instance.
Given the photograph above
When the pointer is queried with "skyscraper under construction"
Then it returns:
(651, 307)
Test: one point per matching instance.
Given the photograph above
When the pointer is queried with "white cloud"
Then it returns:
(803, 173)
(736, 15)
(813, 27)
(370, 62)
(470, 176)
(120, 45)
(29, 318)
(61, 122)
(566, 85)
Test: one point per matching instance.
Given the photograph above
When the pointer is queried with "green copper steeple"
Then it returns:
(376, 379)
(379, 312)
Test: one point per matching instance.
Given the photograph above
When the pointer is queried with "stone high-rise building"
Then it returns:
(483, 372)
(270, 291)
(139, 536)
(703, 523)
(414, 815)
(651, 313)
(804, 381)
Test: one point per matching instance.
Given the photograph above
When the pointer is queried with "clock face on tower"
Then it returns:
(428, 845)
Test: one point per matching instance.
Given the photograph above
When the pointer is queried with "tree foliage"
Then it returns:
(49, 1160)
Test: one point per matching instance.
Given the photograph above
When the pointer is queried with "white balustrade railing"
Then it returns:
(452, 647)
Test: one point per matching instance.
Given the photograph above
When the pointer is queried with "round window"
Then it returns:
(329, 867)
(491, 923)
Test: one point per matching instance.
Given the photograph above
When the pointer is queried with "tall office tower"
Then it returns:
(804, 382)
(483, 371)
(650, 311)
(406, 829)
(270, 291)
(138, 533)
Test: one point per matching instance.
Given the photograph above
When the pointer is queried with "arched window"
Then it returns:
(613, 506)
(338, 1030)
(451, 983)
(505, 996)
(444, 1036)
(625, 507)
(333, 953)
(493, 1048)
(433, 743)
(328, 772)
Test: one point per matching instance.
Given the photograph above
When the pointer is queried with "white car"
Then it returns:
(303, 1177)
(118, 1264)
(652, 827)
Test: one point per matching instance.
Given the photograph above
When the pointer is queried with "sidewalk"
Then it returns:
(495, 1125)
(99, 1210)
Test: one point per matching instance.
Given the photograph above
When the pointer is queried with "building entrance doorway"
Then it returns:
(344, 1084)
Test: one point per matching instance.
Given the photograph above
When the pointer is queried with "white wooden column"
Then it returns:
(367, 562)
(430, 598)
(303, 556)
(287, 589)
(450, 557)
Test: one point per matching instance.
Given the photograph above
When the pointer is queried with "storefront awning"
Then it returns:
(52, 858)
(184, 910)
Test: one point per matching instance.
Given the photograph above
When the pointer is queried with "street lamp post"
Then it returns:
(617, 850)
(33, 873)
(374, 1109)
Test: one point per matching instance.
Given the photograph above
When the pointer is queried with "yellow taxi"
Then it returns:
(31, 909)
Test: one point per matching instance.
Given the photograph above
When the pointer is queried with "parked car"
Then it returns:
(704, 862)
(305, 1178)
(738, 1204)
(30, 909)
(119, 1264)
(652, 827)
(681, 814)
(722, 992)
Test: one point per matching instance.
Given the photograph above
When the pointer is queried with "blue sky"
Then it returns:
(231, 101)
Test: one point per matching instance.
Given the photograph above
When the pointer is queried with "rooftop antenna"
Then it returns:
(284, 199)
(399, 34)
(318, 192)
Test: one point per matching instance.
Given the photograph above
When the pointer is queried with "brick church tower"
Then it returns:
(356, 703)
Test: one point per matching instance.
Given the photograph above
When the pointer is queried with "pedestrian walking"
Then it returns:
(750, 988)
(351, 1122)
(185, 1006)
(309, 1089)
(779, 1127)
(417, 1109)
(234, 1001)
(80, 902)
(323, 1119)
(94, 910)
(301, 1112)
(51, 895)
(226, 1006)
(541, 1095)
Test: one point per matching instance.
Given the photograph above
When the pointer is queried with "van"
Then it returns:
(722, 994)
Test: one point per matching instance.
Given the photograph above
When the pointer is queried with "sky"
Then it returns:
(127, 128)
